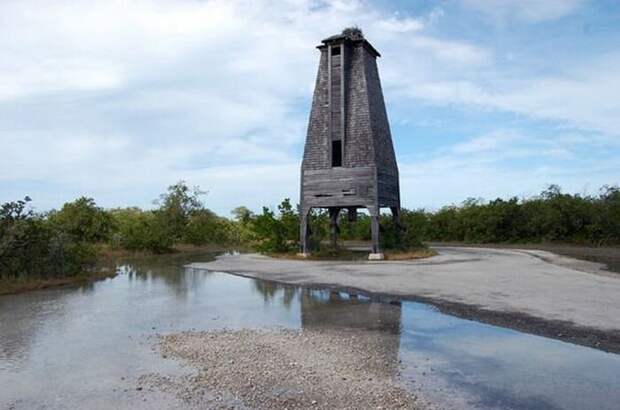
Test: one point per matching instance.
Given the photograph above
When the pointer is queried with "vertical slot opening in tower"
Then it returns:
(337, 153)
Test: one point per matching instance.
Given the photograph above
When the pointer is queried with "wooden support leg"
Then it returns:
(304, 234)
(333, 226)
(374, 227)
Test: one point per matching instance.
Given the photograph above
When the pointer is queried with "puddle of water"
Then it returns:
(84, 347)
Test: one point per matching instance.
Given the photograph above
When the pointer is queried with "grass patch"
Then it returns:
(323, 255)
(343, 254)
(409, 254)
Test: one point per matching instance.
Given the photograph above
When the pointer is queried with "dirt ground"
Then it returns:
(285, 369)
(609, 256)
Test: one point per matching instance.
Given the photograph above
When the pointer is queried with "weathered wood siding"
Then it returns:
(340, 186)
(348, 106)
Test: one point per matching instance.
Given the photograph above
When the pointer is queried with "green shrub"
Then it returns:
(276, 233)
(204, 227)
(551, 216)
(83, 219)
(270, 232)
(407, 236)
(139, 230)
(176, 207)
(31, 245)
(358, 230)
(241, 227)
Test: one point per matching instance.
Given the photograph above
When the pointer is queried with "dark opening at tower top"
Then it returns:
(349, 159)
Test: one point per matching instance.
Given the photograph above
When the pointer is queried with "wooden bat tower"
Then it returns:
(349, 160)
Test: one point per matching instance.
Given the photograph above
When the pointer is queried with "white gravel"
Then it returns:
(285, 369)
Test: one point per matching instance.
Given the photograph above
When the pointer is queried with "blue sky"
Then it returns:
(116, 100)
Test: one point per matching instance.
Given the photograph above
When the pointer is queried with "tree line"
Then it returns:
(552, 216)
(67, 241)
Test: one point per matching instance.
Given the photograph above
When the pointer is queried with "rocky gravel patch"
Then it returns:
(285, 369)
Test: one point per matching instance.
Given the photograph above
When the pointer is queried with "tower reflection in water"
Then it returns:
(321, 309)
(367, 324)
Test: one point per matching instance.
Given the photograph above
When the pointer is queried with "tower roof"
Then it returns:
(353, 35)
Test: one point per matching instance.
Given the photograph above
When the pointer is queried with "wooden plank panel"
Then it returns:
(331, 172)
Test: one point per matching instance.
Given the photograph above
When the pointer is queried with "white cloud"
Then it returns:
(401, 25)
(448, 51)
(479, 168)
(527, 10)
(584, 96)
(485, 143)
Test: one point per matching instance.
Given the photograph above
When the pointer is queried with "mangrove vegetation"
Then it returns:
(68, 241)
